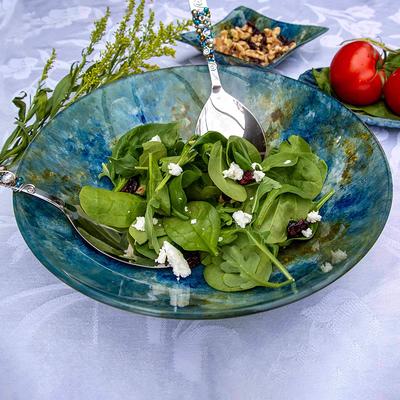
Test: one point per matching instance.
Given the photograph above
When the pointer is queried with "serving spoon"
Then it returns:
(111, 242)
(222, 112)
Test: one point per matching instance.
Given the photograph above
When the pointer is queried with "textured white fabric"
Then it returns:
(341, 343)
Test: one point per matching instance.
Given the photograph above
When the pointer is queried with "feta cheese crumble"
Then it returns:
(242, 218)
(155, 139)
(186, 208)
(326, 267)
(174, 169)
(307, 233)
(175, 259)
(129, 253)
(287, 162)
(220, 239)
(313, 217)
(193, 221)
(338, 256)
(256, 166)
(139, 224)
(234, 172)
(258, 176)
(155, 221)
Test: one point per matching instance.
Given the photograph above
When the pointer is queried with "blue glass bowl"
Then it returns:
(308, 77)
(301, 34)
(68, 154)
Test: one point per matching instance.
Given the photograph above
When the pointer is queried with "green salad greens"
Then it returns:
(212, 200)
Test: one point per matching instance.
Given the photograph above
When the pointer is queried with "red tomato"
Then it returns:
(356, 75)
(392, 92)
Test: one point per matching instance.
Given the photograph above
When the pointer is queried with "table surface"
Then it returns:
(341, 343)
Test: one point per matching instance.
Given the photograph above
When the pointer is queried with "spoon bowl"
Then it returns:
(109, 241)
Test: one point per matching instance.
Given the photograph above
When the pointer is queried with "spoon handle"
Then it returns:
(9, 180)
(202, 21)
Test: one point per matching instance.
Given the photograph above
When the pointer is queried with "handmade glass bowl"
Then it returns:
(301, 34)
(68, 153)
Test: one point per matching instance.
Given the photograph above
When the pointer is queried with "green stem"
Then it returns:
(119, 186)
(374, 42)
(274, 260)
(324, 199)
(267, 284)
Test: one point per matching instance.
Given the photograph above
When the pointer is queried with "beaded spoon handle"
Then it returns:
(222, 112)
(202, 21)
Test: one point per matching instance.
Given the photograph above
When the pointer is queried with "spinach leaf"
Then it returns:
(295, 144)
(266, 185)
(126, 151)
(300, 148)
(132, 140)
(196, 192)
(177, 193)
(200, 235)
(305, 175)
(281, 159)
(283, 209)
(378, 109)
(241, 266)
(152, 204)
(146, 251)
(216, 166)
(228, 235)
(156, 148)
(268, 202)
(115, 209)
(210, 137)
(154, 179)
(124, 166)
(242, 152)
(140, 237)
(203, 189)
(100, 244)
(323, 80)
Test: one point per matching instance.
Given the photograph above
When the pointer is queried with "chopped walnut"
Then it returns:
(251, 44)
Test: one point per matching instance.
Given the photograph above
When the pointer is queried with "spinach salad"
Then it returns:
(209, 200)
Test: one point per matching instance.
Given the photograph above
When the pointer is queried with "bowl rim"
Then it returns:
(188, 313)
(275, 62)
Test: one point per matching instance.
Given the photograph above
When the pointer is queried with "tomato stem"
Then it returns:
(376, 43)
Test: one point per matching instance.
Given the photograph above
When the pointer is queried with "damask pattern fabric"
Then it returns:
(341, 343)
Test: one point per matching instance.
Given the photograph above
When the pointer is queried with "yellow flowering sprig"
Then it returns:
(137, 39)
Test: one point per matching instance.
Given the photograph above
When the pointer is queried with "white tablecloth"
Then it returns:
(341, 343)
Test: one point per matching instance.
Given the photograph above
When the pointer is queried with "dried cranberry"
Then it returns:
(295, 227)
(247, 178)
(131, 186)
(193, 258)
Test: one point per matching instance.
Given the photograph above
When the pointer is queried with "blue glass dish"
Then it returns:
(301, 34)
(308, 77)
(69, 151)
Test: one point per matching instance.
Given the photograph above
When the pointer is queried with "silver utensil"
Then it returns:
(222, 112)
(109, 241)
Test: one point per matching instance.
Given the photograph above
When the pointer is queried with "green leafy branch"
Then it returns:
(137, 40)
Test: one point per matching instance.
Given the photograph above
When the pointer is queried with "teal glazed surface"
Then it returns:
(308, 77)
(69, 151)
(301, 34)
